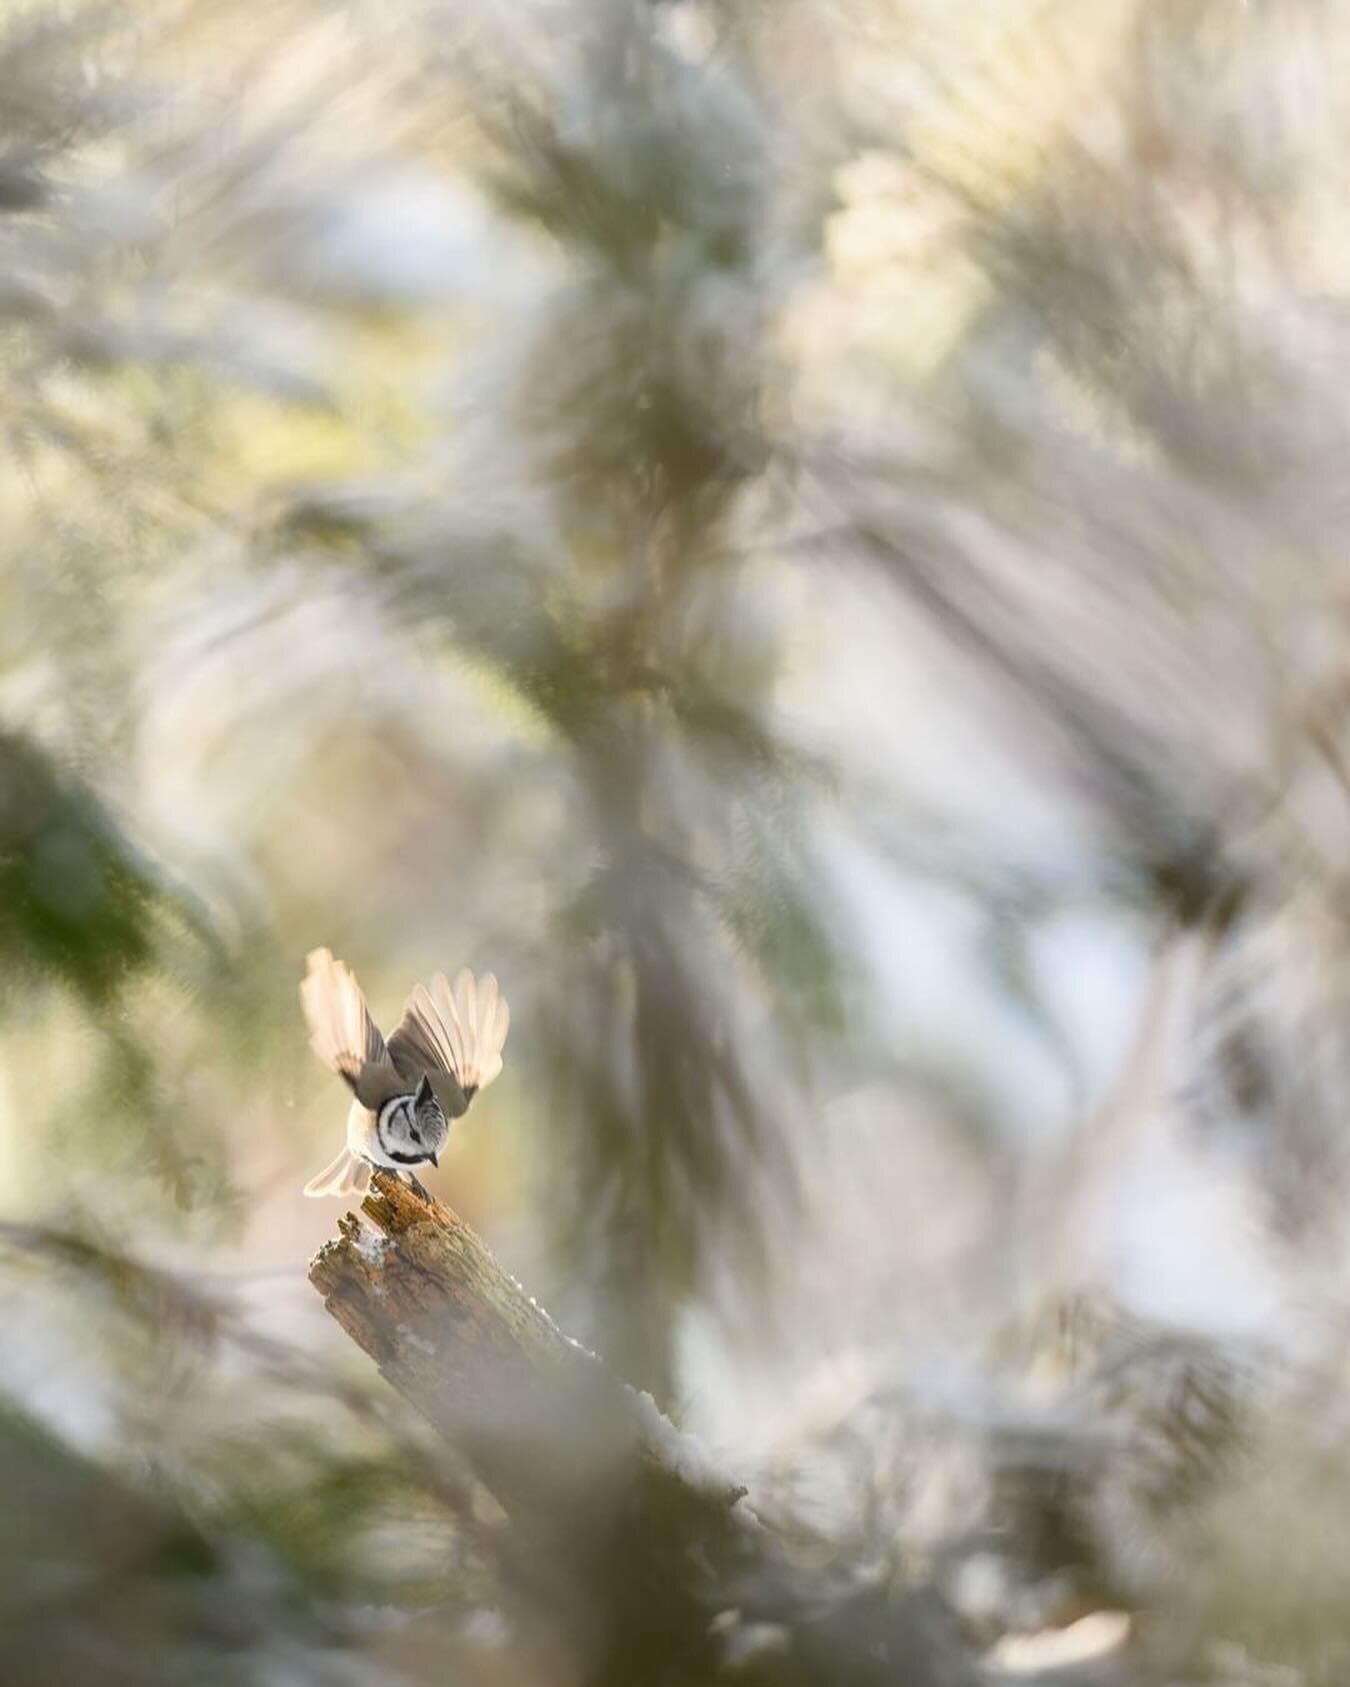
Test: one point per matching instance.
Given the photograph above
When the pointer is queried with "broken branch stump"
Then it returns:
(623, 1524)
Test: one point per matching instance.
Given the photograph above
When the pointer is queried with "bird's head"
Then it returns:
(430, 1125)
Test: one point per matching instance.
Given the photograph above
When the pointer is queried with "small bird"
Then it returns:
(447, 1047)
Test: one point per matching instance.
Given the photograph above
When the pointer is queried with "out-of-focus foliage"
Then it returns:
(75, 902)
(808, 539)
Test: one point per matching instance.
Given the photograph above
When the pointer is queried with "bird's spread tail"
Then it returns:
(349, 1174)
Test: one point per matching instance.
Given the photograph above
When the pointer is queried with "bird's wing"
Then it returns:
(423, 1043)
(342, 1033)
(379, 1081)
(455, 1034)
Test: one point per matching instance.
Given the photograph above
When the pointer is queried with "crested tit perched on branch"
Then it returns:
(447, 1047)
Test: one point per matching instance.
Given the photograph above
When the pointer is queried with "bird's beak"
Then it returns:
(435, 1160)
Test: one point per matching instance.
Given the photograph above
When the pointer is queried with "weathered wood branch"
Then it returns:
(602, 1491)
(622, 1529)
(460, 1338)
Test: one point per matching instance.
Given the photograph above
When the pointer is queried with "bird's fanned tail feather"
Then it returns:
(348, 1174)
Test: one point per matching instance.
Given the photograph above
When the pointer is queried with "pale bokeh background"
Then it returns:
(809, 539)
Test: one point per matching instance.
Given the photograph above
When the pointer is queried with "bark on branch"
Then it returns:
(603, 1492)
